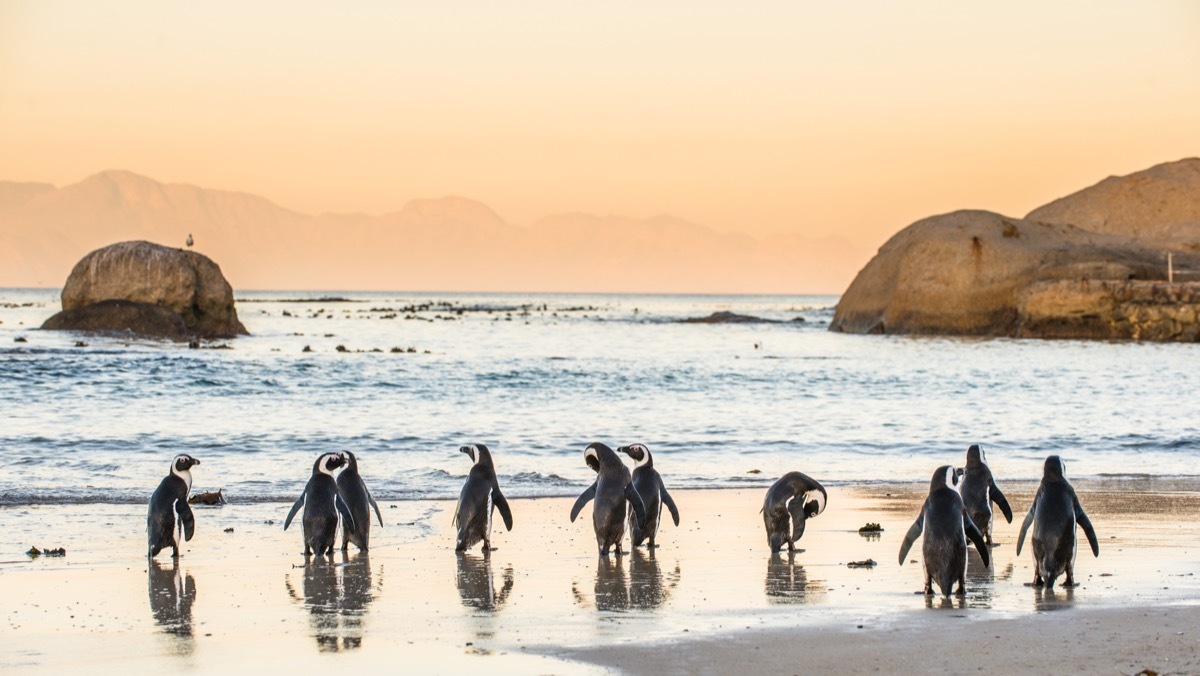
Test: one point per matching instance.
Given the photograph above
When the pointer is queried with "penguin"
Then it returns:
(654, 495)
(1054, 514)
(792, 500)
(947, 526)
(613, 492)
(322, 505)
(170, 517)
(353, 491)
(979, 491)
(480, 494)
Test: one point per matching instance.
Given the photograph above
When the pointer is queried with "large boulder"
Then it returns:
(141, 274)
(1087, 266)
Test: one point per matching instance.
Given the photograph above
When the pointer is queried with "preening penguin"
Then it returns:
(947, 526)
(654, 495)
(322, 505)
(170, 517)
(792, 500)
(979, 491)
(614, 493)
(353, 491)
(1054, 513)
(479, 495)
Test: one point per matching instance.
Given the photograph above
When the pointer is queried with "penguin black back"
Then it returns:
(946, 527)
(322, 506)
(169, 517)
(1054, 514)
(649, 486)
(613, 493)
(479, 496)
(353, 491)
(979, 491)
(789, 503)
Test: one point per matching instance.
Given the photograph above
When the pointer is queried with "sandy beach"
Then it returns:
(710, 599)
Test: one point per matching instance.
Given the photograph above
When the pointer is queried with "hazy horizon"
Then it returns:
(758, 120)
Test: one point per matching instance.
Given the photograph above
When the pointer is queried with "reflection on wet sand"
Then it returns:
(952, 602)
(648, 588)
(788, 583)
(172, 593)
(336, 597)
(981, 587)
(642, 588)
(477, 585)
(1053, 598)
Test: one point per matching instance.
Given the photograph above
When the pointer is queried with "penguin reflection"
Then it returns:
(648, 588)
(612, 586)
(337, 596)
(477, 585)
(171, 595)
(786, 582)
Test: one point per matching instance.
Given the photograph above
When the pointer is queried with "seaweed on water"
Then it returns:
(34, 552)
(208, 497)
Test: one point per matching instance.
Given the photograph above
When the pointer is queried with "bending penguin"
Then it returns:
(947, 526)
(480, 494)
(654, 495)
(1054, 513)
(353, 491)
(169, 517)
(614, 493)
(979, 491)
(322, 505)
(792, 500)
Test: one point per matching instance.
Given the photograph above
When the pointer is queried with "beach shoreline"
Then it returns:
(710, 599)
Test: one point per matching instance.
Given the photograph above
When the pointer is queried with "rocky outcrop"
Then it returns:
(979, 273)
(146, 276)
(121, 316)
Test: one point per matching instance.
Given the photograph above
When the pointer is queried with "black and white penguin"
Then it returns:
(353, 491)
(654, 495)
(170, 517)
(322, 505)
(1054, 513)
(979, 491)
(480, 494)
(792, 500)
(947, 526)
(614, 493)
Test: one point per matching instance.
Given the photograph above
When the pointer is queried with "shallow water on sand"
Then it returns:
(537, 377)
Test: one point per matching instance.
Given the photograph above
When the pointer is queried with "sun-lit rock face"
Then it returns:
(184, 282)
(1067, 270)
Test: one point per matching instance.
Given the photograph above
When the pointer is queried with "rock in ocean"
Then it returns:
(148, 290)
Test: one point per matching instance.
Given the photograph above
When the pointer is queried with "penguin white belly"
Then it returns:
(487, 529)
(177, 531)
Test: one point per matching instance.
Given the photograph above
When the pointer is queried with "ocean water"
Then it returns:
(537, 377)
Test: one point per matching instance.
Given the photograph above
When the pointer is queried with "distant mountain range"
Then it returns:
(447, 244)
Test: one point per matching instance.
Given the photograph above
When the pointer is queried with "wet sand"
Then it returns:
(710, 599)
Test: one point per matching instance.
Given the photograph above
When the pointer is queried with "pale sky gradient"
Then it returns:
(761, 117)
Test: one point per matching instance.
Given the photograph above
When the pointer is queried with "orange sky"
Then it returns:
(821, 118)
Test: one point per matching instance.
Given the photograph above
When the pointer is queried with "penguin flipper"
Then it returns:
(796, 508)
(344, 510)
(635, 500)
(501, 504)
(914, 532)
(1025, 526)
(184, 510)
(976, 538)
(584, 498)
(1001, 501)
(371, 499)
(295, 508)
(666, 500)
(1084, 522)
